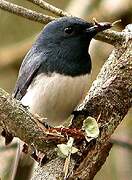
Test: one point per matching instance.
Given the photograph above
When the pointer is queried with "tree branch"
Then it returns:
(50, 8)
(24, 12)
(111, 37)
(19, 122)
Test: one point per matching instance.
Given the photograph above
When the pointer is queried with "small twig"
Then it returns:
(24, 12)
(111, 37)
(106, 24)
(67, 161)
(108, 36)
(50, 8)
(66, 166)
(115, 22)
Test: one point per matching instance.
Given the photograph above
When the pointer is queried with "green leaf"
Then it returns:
(64, 149)
(91, 128)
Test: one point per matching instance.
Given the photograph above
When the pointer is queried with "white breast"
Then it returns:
(55, 97)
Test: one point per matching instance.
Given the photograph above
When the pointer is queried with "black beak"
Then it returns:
(98, 27)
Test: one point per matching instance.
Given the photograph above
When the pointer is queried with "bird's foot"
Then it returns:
(38, 156)
(35, 155)
(26, 107)
(42, 121)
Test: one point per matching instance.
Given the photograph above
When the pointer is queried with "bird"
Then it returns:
(54, 74)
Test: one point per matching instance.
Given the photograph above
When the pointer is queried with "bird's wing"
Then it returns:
(29, 69)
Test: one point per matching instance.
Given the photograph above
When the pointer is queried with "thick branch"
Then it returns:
(110, 97)
(18, 121)
(24, 12)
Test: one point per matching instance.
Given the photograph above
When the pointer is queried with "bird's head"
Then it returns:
(69, 31)
(66, 42)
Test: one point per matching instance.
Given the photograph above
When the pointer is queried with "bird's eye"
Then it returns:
(68, 30)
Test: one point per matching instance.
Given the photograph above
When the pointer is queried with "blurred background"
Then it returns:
(16, 37)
